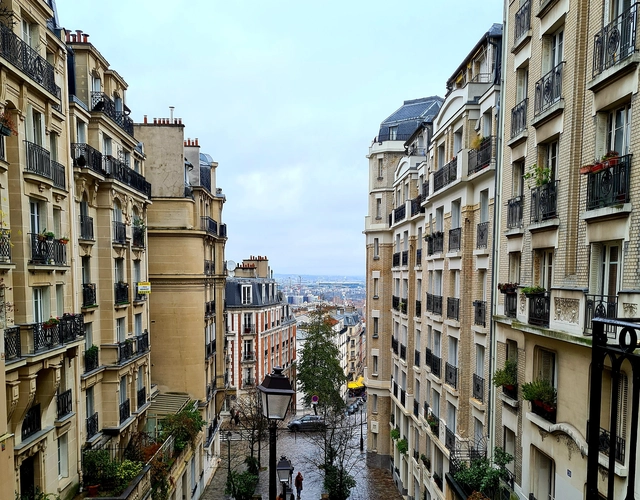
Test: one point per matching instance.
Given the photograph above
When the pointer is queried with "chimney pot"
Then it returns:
(155, 121)
(145, 118)
(85, 38)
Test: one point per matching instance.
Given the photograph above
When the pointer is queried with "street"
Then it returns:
(301, 450)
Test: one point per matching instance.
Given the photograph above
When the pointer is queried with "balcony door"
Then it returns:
(35, 126)
(37, 216)
(619, 130)
(605, 268)
(86, 270)
(616, 9)
(40, 304)
(123, 389)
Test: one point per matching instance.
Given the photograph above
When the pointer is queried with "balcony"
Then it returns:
(248, 329)
(209, 308)
(544, 200)
(478, 387)
(121, 293)
(418, 308)
(600, 306)
(12, 343)
(437, 305)
(125, 411)
(479, 313)
(32, 422)
(47, 251)
(399, 213)
(428, 356)
(605, 444)
(26, 59)
(209, 268)
(86, 228)
(436, 365)
(445, 175)
(514, 212)
(142, 397)
(511, 305)
(455, 235)
(120, 171)
(416, 358)
(395, 259)
(101, 102)
(609, 186)
(449, 438)
(64, 404)
(88, 294)
(142, 342)
(403, 352)
(451, 375)
(616, 41)
(416, 412)
(92, 425)
(403, 397)
(548, 90)
(453, 308)
(482, 235)
(85, 156)
(49, 335)
(91, 359)
(394, 345)
(248, 357)
(209, 225)
(539, 306)
(519, 118)
(522, 22)
(416, 207)
(119, 232)
(481, 158)
(405, 258)
(125, 351)
(137, 236)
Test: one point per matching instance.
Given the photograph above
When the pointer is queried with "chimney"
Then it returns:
(171, 108)
(85, 38)
(145, 118)
(155, 121)
(196, 141)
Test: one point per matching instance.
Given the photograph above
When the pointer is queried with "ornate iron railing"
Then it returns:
(600, 306)
(514, 212)
(451, 375)
(125, 350)
(482, 235)
(142, 341)
(64, 404)
(449, 438)
(38, 160)
(137, 237)
(425, 190)
(12, 343)
(101, 102)
(121, 292)
(480, 158)
(399, 213)
(51, 335)
(539, 307)
(548, 90)
(511, 304)
(91, 360)
(209, 225)
(119, 232)
(519, 118)
(92, 425)
(610, 186)
(436, 365)
(88, 294)
(437, 305)
(405, 257)
(415, 206)
(47, 250)
(616, 41)
(544, 202)
(478, 387)
(142, 397)
(438, 242)
(605, 444)
(522, 21)
(115, 169)
(455, 236)
(453, 308)
(58, 175)
(125, 411)
(479, 312)
(85, 156)
(446, 175)
(32, 422)
(86, 228)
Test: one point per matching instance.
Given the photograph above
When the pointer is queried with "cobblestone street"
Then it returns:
(299, 449)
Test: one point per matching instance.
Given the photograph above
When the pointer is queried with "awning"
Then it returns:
(356, 384)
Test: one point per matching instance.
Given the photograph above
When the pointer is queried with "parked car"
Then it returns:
(307, 423)
(352, 408)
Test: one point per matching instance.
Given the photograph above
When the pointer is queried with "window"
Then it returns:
(393, 133)
(435, 407)
(38, 217)
(440, 219)
(440, 156)
(437, 339)
(53, 146)
(478, 430)
(376, 283)
(378, 208)
(137, 320)
(35, 126)
(89, 401)
(457, 141)
(119, 270)
(480, 360)
(456, 283)
(517, 181)
(88, 334)
(81, 131)
(63, 455)
(553, 51)
(522, 81)
(123, 390)
(546, 366)
(107, 145)
(59, 300)
(137, 271)
(484, 205)
(543, 268)
(514, 267)
(437, 283)
(618, 130)
(29, 32)
(453, 351)
(40, 304)
(451, 417)
(121, 330)
(96, 85)
(542, 471)
(380, 169)
(509, 440)
(604, 274)
(376, 324)
(375, 365)
(246, 294)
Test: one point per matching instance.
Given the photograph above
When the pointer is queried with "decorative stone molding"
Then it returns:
(566, 309)
(629, 309)
(523, 303)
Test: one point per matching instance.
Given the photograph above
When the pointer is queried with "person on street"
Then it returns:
(298, 483)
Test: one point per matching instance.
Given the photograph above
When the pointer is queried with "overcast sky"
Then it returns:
(286, 96)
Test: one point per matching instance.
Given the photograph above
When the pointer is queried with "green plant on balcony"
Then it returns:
(51, 322)
(507, 376)
(395, 434)
(508, 287)
(483, 476)
(433, 422)
(537, 175)
(533, 290)
(184, 426)
(426, 461)
(7, 126)
(402, 446)
(541, 393)
(138, 223)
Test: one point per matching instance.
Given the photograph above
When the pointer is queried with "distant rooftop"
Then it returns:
(403, 122)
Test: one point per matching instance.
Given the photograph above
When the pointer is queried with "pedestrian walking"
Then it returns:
(298, 483)
(237, 417)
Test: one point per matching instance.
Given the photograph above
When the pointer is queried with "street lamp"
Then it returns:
(276, 395)
(229, 454)
(284, 470)
(361, 438)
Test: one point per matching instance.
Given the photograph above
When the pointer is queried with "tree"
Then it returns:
(252, 425)
(319, 370)
(241, 485)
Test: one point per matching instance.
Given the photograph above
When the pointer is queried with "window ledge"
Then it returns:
(611, 212)
(544, 225)
(514, 141)
(521, 42)
(548, 114)
(545, 6)
(481, 251)
(514, 231)
(614, 72)
(513, 403)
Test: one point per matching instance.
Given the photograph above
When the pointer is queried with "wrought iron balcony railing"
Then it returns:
(482, 235)
(142, 397)
(89, 294)
(399, 213)
(137, 237)
(451, 375)
(453, 308)
(12, 343)
(64, 404)
(49, 335)
(125, 411)
(436, 365)
(481, 158)
(511, 305)
(478, 387)
(609, 186)
(519, 118)
(85, 156)
(120, 171)
(5, 245)
(101, 102)
(418, 308)
(125, 350)
(425, 190)
(32, 422)
(119, 232)
(548, 90)
(58, 175)
(209, 225)
(437, 305)
(514, 212)
(91, 360)
(429, 302)
(449, 438)
(38, 160)
(121, 293)
(86, 228)
(416, 358)
(415, 206)
(209, 268)
(522, 21)
(539, 307)
(47, 251)
(403, 352)
(92, 425)
(26, 59)
(405, 258)
(600, 306)
(249, 328)
(142, 342)
(605, 444)
(210, 309)
(205, 178)
(544, 202)
(616, 41)
(455, 236)
(445, 175)
(479, 312)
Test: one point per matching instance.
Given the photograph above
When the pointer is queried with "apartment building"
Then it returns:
(187, 299)
(568, 241)
(390, 228)
(260, 326)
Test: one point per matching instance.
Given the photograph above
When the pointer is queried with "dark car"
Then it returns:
(307, 423)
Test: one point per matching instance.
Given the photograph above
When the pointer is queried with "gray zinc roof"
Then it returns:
(408, 117)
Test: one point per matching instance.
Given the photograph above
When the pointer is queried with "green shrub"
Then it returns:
(402, 446)
(395, 434)
(540, 390)
(507, 375)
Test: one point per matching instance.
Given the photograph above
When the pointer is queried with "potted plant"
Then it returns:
(508, 376)
(610, 159)
(395, 434)
(138, 223)
(50, 323)
(64, 240)
(46, 235)
(402, 446)
(587, 169)
(541, 393)
(530, 291)
(539, 175)
(508, 287)
(426, 461)
(7, 127)
(477, 141)
(432, 420)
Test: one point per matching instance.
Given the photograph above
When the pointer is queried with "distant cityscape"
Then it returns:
(310, 288)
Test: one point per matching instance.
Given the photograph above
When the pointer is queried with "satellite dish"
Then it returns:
(231, 266)
(231, 274)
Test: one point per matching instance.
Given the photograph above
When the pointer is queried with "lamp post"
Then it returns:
(361, 438)
(229, 454)
(284, 470)
(276, 395)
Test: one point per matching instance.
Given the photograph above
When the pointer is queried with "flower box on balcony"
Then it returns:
(508, 287)
(532, 291)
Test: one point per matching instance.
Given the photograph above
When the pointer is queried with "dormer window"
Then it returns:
(246, 294)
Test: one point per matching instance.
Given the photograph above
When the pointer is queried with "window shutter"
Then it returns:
(623, 393)
(595, 263)
(547, 366)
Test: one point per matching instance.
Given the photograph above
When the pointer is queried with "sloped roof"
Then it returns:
(408, 117)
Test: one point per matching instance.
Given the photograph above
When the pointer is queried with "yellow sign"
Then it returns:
(144, 287)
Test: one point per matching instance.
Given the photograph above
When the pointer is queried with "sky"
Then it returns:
(286, 97)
